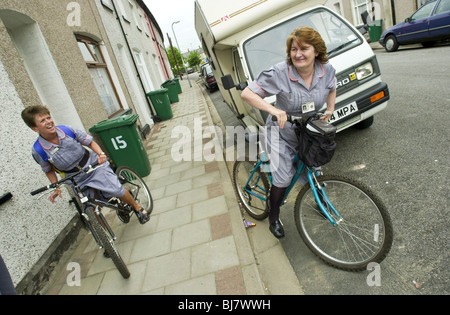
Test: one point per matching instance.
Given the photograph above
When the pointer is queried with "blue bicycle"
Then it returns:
(340, 219)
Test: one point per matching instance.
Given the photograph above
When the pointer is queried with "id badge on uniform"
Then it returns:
(52, 153)
(308, 107)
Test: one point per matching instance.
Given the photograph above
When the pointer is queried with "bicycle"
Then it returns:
(340, 219)
(90, 210)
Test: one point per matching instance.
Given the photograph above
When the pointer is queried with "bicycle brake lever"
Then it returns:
(90, 168)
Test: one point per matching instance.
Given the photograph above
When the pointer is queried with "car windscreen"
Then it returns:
(268, 48)
(208, 70)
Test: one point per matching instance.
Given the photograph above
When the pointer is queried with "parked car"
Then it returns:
(190, 70)
(429, 24)
(208, 77)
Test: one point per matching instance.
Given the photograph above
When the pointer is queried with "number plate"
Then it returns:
(343, 112)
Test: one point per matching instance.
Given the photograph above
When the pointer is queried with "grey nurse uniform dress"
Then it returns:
(67, 155)
(296, 99)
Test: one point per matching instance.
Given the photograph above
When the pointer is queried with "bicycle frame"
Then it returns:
(89, 209)
(312, 180)
(248, 182)
(86, 202)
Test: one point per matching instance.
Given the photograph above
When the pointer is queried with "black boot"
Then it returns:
(277, 229)
(276, 198)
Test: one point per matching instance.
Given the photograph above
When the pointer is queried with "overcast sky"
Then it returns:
(168, 11)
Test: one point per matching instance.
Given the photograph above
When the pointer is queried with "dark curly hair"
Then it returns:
(309, 36)
(29, 113)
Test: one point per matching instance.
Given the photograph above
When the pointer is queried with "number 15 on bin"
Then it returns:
(118, 143)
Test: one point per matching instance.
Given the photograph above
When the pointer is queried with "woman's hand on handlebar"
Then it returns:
(54, 194)
(326, 116)
(102, 158)
(281, 117)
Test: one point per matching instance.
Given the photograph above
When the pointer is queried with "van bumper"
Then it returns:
(369, 102)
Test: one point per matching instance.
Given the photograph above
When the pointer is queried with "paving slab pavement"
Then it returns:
(195, 242)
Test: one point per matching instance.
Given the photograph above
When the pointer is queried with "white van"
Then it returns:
(241, 38)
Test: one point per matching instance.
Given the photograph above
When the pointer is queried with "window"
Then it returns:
(360, 7)
(268, 47)
(98, 69)
(107, 4)
(142, 67)
(122, 11)
(424, 11)
(137, 17)
(443, 6)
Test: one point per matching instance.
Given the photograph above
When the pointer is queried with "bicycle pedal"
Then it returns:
(123, 215)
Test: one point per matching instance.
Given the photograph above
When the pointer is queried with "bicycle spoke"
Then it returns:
(362, 247)
(362, 234)
(132, 182)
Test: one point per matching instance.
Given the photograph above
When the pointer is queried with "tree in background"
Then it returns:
(173, 65)
(194, 59)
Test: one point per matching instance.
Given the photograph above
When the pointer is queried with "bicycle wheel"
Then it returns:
(107, 242)
(363, 235)
(134, 183)
(253, 192)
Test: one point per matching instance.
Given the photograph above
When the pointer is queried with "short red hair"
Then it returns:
(309, 36)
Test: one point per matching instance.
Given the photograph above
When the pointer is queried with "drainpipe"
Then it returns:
(394, 18)
(154, 116)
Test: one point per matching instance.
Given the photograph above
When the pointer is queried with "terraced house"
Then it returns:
(87, 60)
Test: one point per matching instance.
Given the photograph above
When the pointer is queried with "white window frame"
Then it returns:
(143, 71)
(135, 17)
(122, 11)
(359, 6)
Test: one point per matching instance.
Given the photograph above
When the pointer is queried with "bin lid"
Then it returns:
(167, 81)
(376, 23)
(120, 121)
(157, 92)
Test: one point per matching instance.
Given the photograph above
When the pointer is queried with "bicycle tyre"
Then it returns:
(256, 207)
(107, 243)
(131, 181)
(365, 234)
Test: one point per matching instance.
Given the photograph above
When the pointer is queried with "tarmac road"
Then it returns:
(403, 156)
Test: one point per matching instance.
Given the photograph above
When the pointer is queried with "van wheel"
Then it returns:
(391, 43)
(366, 123)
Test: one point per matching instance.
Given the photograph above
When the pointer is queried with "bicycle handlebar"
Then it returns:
(85, 169)
(37, 191)
(292, 119)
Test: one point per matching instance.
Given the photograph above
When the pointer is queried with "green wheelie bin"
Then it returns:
(161, 103)
(177, 82)
(375, 30)
(123, 142)
(171, 86)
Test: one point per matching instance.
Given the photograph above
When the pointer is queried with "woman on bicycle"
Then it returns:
(67, 154)
(302, 84)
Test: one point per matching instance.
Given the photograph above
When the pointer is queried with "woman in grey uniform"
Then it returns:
(66, 153)
(302, 84)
